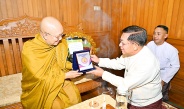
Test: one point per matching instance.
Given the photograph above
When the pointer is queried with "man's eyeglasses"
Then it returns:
(57, 37)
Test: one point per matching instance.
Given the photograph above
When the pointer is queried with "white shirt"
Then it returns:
(168, 58)
(141, 76)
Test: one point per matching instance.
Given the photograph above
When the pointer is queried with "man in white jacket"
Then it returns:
(141, 77)
(167, 56)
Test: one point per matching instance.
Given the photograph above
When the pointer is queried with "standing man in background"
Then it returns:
(167, 55)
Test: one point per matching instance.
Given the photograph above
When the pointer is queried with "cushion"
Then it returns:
(10, 89)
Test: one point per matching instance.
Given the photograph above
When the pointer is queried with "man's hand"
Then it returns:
(72, 74)
(162, 83)
(98, 71)
(95, 59)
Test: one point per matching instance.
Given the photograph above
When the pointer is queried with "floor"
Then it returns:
(174, 101)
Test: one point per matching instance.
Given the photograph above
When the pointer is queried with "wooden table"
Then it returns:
(109, 100)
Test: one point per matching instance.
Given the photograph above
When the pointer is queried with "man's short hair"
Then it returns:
(139, 34)
(164, 27)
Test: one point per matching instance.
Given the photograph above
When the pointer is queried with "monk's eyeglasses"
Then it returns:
(57, 37)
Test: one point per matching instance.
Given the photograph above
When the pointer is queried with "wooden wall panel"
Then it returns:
(150, 13)
(169, 12)
(146, 13)
(179, 28)
(116, 23)
(95, 20)
(73, 12)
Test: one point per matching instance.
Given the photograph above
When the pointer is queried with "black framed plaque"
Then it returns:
(82, 61)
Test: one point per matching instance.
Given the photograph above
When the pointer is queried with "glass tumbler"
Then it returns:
(121, 100)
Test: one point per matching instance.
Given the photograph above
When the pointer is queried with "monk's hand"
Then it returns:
(98, 71)
(72, 74)
(95, 59)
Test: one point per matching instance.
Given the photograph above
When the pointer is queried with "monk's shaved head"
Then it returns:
(51, 25)
(51, 28)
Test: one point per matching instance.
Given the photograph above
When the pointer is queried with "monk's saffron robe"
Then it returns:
(43, 75)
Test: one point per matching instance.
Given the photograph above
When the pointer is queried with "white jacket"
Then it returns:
(141, 76)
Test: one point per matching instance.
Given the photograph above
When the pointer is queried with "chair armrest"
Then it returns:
(89, 85)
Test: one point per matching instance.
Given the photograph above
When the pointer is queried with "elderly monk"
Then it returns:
(46, 71)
